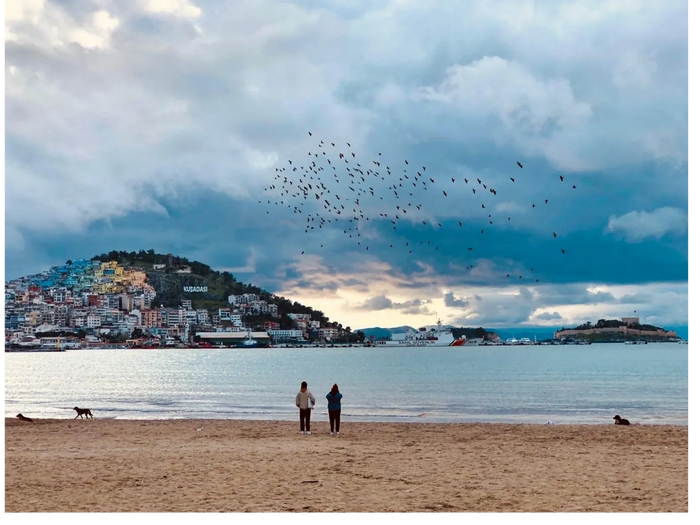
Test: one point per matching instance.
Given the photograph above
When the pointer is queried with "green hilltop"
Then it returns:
(169, 286)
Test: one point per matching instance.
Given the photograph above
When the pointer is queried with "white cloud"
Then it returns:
(382, 302)
(39, 23)
(179, 8)
(510, 91)
(636, 226)
(24, 10)
(97, 34)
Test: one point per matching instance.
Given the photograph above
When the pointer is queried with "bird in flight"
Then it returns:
(520, 165)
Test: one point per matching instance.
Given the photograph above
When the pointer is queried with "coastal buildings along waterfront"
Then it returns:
(89, 303)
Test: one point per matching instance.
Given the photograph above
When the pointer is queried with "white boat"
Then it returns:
(525, 341)
(249, 341)
(682, 341)
(423, 337)
(59, 343)
(30, 342)
(512, 341)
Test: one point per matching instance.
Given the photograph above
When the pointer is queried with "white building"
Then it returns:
(245, 298)
(93, 321)
(286, 335)
(190, 317)
(202, 317)
(328, 333)
(173, 317)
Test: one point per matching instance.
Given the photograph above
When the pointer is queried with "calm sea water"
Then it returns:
(564, 384)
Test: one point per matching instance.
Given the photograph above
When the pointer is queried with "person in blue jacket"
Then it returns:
(334, 397)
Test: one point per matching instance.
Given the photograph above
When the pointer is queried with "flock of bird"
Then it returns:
(352, 193)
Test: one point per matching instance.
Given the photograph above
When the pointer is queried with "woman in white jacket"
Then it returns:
(305, 402)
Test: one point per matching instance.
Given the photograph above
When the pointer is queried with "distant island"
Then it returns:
(614, 330)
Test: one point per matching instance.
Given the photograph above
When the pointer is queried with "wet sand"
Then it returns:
(262, 466)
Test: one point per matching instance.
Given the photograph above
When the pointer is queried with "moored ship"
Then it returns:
(434, 337)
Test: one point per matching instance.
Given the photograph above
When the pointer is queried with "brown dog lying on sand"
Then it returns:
(620, 421)
(23, 418)
(82, 412)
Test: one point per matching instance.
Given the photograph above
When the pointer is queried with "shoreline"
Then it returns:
(209, 465)
(322, 416)
(546, 342)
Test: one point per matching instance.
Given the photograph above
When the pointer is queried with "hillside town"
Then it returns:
(89, 303)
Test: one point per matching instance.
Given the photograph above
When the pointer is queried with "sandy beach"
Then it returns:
(262, 466)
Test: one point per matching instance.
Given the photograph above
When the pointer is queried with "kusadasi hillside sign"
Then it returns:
(190, 289)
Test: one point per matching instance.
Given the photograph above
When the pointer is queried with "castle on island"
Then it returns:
(627, 327)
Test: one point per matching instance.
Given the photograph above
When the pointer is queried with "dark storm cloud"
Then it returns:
(135, 125)
(451, 301)
(381, 302)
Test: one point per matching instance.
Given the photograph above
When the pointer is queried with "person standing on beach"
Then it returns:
(305, 402)
(334, 397)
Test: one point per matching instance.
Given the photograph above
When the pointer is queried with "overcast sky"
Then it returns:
(159, 124)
